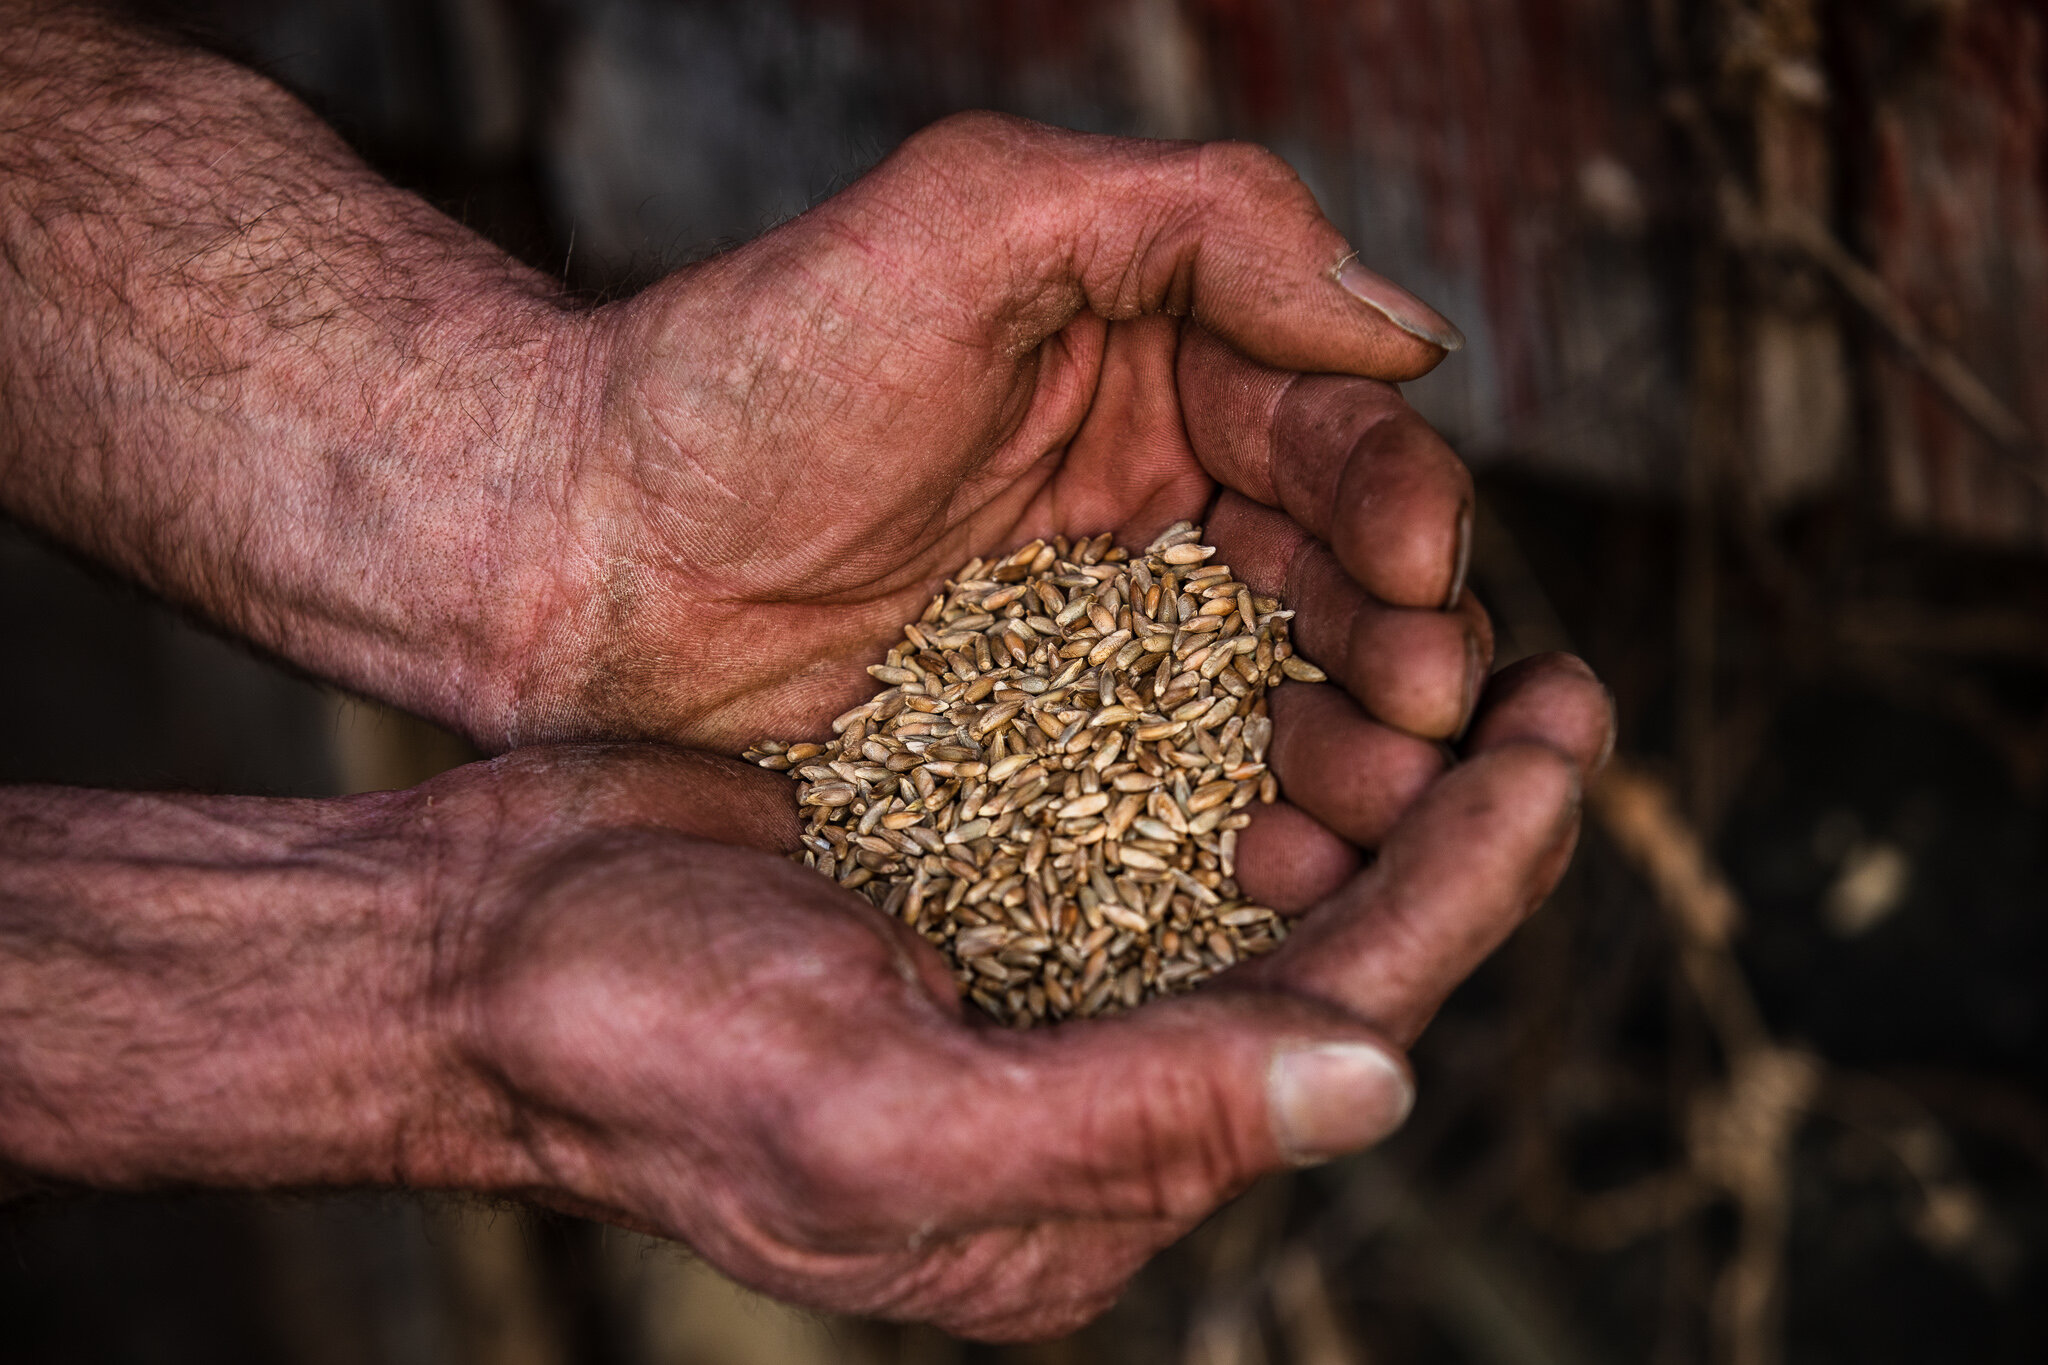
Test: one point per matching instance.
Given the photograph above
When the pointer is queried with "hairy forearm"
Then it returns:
(218, 991)
(238, 366)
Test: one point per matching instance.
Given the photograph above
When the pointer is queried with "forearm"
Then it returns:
(220, 991)
(238, 366)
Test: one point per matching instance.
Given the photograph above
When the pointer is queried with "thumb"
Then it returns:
(1163, 1113)
(1042, 223)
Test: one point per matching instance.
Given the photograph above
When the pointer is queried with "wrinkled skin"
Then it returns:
(694, 516)
(708, 1042)
(1003, 332)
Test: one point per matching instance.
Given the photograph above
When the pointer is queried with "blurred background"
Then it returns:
(1756, 293)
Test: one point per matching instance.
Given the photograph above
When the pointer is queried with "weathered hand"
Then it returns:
(253, 376)
(1003, 332)
(717, 1045)
(267, 384)
(584, 975)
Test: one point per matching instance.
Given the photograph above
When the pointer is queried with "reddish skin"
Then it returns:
(974, 346)
(249, 374)
(875, 1155)
(587, 976)
(270, 386)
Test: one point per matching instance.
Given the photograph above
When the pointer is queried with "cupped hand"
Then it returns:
(1003, 332)
(708, 1042)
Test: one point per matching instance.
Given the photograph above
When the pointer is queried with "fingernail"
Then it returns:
(1464, 557)
(1607, 745)
(1397, 305)
(1575, 810)
(1335, 1098)
(1475, 678)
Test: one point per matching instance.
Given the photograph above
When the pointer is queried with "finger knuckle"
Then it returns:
(844, 1161)
(969, 174)
(1253, 172)
(826, 1176)
(1194, 1155)
(972, 136)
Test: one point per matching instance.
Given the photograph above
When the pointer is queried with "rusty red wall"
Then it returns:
(1511, 160)
(1534, 179)
(1501, 156)
(1954, 214)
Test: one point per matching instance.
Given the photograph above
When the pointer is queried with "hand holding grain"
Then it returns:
(715, 1044)
(1007, 332)
(270, 386)
(1004, 332)
(587, 975)
(251, 375)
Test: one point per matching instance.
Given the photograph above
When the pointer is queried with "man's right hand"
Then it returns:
(1004, 332)
(247, 372)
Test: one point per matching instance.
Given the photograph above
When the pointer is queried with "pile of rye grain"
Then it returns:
(1051, 788)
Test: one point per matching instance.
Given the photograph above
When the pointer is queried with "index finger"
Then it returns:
(1034, 224)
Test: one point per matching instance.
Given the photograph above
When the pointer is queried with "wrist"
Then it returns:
(271, 387)
(504, 427)
(226, 992)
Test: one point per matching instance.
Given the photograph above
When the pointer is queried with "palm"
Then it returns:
(700, 1039)
(797, 440)
(820, 1170)
(814, 534)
